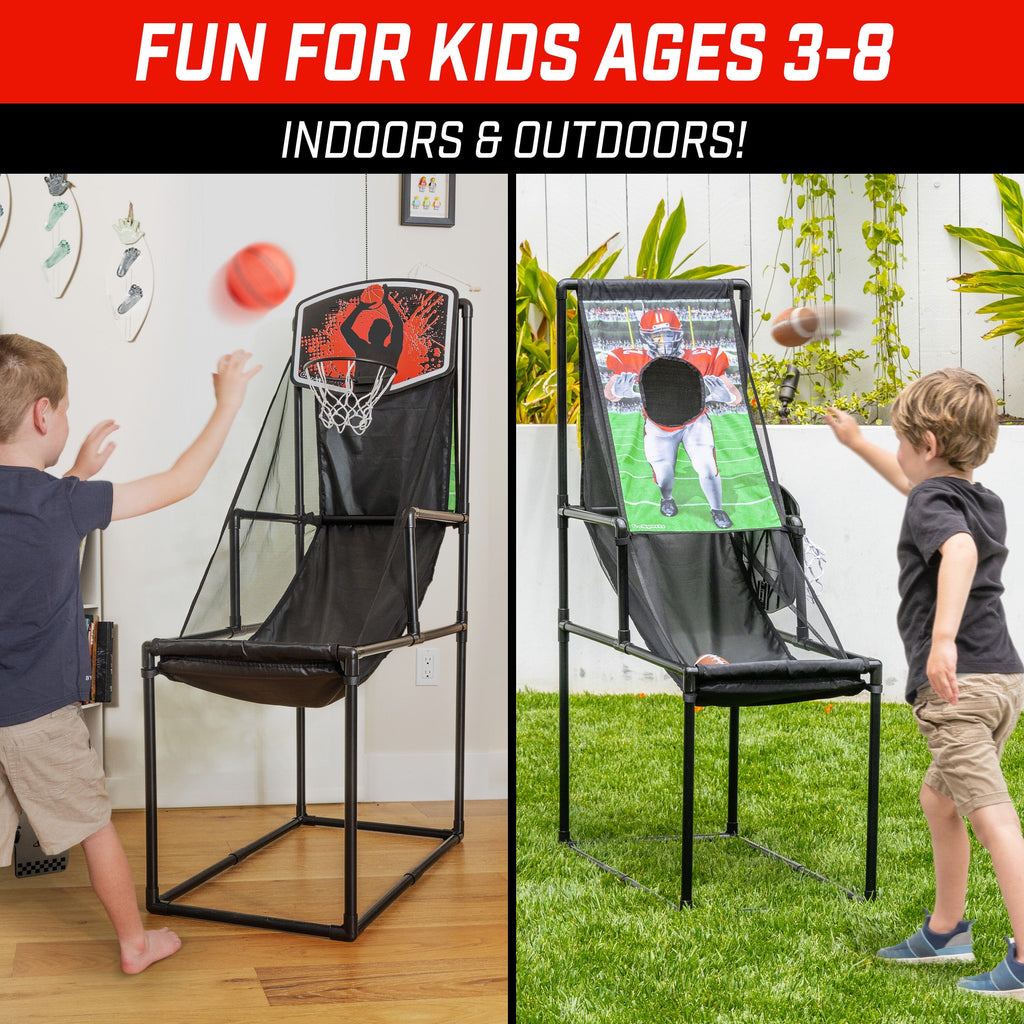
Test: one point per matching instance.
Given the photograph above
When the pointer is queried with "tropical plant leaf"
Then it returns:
(646, 260)
(529, 346)
(546, 297)
(1003, 308)
(983, 239)
(1015, 326)
(686, 259)
(593, 259)
(671, 236)
(990, 281)
(524, 338)
(602, 271)
(529, 277)
(703, 273)
(544, 387)
(1013, 206)
(1008, 258)
(1005, 259)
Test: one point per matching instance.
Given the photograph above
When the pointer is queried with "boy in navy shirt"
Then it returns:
(47, 767)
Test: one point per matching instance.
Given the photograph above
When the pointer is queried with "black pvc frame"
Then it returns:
(348, 659)
(694, 675)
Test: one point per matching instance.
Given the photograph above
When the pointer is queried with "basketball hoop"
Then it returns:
(346, 403)
(348, 343)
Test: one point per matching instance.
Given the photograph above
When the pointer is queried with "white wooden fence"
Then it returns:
(734, 219)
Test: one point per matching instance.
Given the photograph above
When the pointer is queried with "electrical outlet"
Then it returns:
(426, 666)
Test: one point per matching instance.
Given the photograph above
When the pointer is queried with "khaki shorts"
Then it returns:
(967, 739)
(49, 770)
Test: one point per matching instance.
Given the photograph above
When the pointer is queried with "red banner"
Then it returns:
(738, 53)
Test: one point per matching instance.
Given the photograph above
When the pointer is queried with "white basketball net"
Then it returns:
(814, 563)
(346, 409)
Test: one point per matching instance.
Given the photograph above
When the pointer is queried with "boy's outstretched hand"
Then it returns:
(847, 431)
(844, 426)
(232, 378)
(93, 454)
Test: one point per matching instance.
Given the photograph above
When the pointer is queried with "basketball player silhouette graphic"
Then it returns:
(384, 338)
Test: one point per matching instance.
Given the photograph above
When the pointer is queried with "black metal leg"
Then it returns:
(149, 742)
(874, 744)
(732, 825)
(351, 924)
(563, 683)
(300, 762)
(689, 738)
(563, 738)
(459, 823)
(563, 562)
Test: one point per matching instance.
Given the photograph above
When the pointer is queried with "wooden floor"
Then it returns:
(438, 954)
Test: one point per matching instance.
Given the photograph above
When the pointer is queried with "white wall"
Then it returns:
(733, 217)
(336, 228)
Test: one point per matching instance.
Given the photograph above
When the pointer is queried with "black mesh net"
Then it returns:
(268, 549)
(314, 552)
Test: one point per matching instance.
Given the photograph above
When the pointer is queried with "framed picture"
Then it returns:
(428, 199)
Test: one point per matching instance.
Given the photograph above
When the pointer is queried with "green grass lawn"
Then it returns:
(761, 942)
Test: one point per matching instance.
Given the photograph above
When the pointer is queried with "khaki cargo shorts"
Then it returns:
(967, 739)
(49, 770)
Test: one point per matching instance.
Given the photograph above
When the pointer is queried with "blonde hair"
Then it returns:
(29, 370)
(958, 407)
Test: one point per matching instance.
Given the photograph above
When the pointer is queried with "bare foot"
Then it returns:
(158, 946)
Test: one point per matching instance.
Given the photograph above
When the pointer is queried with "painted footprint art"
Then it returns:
(130, 255)
(57, 211)
(60, 232)
(131, 299)
(60, 251)
(129, 275)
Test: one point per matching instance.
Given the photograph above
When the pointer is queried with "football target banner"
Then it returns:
(672, 389)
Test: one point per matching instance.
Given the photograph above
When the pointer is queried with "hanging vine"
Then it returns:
(883, 236)
(814, 195)
(810, 223)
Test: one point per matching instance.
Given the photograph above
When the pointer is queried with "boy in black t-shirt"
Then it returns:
(965, 680)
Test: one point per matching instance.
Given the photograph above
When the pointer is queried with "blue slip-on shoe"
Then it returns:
(1006, 979)
(928, 947)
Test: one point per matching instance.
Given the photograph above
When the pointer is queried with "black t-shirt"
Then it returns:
(937, 509)
(44, 646)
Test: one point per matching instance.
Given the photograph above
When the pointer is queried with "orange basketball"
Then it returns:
(373, 295)
(260, 276)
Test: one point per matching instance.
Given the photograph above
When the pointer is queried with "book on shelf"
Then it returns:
(101, 656)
